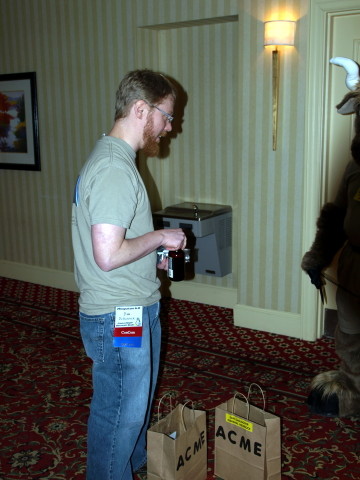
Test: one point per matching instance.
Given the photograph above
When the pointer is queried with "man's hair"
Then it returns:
(141, 85)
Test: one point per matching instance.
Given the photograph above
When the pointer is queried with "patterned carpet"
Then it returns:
(46, 385)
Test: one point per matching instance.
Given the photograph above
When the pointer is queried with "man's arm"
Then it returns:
(112, 250)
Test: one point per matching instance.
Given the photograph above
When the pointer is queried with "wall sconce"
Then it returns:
(277, 32)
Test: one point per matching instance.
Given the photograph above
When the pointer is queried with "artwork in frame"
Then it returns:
(19, 123)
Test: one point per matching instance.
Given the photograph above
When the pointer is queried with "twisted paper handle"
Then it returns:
(247, 403)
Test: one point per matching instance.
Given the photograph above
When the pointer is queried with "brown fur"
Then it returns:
(354, 99)
(355, 144)
(336, 382)
(348, 348)
(345, 382)
(330, 237)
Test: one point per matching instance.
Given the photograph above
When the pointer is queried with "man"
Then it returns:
(115, 268)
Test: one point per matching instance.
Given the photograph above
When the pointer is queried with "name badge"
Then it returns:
(128, 327)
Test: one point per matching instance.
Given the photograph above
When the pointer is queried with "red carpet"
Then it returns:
(46, 385)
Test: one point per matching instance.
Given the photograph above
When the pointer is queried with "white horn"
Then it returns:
(351, 68)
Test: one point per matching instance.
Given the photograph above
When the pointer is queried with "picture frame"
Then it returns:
(19, 123)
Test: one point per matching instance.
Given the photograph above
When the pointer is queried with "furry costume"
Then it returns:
(337, 392)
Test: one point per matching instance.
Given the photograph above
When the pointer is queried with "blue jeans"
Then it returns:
(124, 380)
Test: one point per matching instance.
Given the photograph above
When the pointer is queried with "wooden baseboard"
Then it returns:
(38, 275)
(187, 290)
(273, 321)
(282, 323)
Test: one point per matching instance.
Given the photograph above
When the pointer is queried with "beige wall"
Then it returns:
(222, 154)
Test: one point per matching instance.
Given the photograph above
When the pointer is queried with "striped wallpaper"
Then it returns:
(222, 148)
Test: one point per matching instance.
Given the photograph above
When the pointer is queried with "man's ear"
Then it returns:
(348, 104)
(140, 108)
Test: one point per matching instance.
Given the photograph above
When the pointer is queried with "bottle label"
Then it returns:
(170, 268)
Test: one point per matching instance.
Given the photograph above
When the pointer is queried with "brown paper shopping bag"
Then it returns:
(177, 445)
(247, 441)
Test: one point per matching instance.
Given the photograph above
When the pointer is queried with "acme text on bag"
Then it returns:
(191, 450)
(244, 443)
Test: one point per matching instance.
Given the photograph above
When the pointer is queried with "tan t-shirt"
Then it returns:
(110, 190)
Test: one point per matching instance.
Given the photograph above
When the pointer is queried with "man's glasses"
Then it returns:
(167, 115)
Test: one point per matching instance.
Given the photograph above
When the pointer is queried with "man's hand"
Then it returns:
(174, 239)
(163, 265)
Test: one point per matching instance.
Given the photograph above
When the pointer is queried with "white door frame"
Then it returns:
(320, 13)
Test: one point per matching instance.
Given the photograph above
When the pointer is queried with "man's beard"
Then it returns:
(151, 147)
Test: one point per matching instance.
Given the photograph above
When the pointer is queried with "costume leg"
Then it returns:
(337, 392)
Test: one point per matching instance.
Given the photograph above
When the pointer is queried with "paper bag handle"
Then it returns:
(261, 390)
(182, 413)
(247, 404)
(160, 402)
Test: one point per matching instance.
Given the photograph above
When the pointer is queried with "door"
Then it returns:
(344, 42)
(325, 88)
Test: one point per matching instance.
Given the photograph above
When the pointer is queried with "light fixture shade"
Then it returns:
(279, 32)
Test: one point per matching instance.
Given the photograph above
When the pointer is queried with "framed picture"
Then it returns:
(19, 124)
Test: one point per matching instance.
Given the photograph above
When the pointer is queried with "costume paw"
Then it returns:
(334, 394)
(319, 404)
